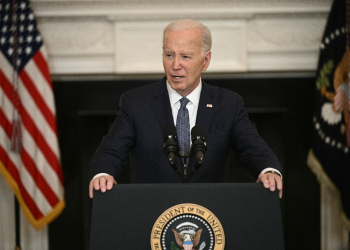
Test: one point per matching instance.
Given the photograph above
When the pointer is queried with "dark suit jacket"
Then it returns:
(138, 129)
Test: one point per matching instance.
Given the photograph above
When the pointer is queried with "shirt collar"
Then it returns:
(193, 96)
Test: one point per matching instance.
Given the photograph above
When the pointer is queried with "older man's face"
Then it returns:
(183, 60)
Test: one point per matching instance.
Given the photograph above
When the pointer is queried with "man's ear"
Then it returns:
(207, 58)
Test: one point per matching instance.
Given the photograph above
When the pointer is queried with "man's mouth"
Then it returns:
(178, 77)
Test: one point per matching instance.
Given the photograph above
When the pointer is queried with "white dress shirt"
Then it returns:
(192, 105)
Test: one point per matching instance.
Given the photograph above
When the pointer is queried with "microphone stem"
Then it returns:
(185, 169)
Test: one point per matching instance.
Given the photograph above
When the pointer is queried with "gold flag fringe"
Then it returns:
(323, 178)
(37, 224)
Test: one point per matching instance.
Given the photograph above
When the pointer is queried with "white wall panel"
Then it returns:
(79, 45)
(229, 53)
(125, 37)
(139, 47)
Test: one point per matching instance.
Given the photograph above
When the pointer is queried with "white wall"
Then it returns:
(124, 37)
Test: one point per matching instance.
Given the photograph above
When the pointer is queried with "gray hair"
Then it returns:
(189, 24)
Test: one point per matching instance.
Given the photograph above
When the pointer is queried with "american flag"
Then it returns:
(29, 152)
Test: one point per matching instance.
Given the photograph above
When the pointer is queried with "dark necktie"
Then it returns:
(183, 127)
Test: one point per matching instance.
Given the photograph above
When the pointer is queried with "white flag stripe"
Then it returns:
(2, 98)
(26, 179)
(38, 119)
(36, 194)
(7, 107)
(29, 145)
(41, 164)
(41, 84)
(5, 66)
(35, 114)
(40, 122)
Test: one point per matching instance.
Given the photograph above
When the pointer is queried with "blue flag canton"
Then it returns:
(19, 36)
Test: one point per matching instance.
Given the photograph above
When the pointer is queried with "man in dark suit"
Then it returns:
(144, 112)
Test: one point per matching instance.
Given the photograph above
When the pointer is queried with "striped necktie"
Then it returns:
(183, 127)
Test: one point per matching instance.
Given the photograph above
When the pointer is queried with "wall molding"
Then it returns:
(124, 37)
(209, 11)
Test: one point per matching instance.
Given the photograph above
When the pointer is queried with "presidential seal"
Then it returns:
(187, 227)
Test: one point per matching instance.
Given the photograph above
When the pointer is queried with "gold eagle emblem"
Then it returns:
(180, 241)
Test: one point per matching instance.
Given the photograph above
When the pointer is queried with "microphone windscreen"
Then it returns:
(169, 130)
(198, 131)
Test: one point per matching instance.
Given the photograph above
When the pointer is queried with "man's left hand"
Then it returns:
(271, 180)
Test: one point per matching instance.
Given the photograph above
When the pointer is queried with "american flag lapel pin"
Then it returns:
(209, 105)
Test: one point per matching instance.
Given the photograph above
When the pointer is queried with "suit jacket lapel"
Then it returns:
(206, 108)
(161, 104)
(163, 112)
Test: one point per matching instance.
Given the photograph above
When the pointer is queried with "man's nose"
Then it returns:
(177, 63)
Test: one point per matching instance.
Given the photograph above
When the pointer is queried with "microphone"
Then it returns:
(171, 147)
(199, 146)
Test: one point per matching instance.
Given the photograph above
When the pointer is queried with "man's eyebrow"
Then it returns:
(168, 51)
(182, 53)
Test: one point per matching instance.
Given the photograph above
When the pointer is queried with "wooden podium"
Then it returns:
(125, 218)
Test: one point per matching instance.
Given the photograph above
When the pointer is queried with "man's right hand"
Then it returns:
(102, 183)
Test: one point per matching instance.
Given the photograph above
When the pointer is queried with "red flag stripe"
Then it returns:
(11, 168)
(30, 166)
(42, 65)
(38, 99)
(4, 122)
(41, 142)
(27, 159)
(8, 89)
(41, 164)
(31, 148)
(39, 179)
(35, 133)
(5, 85)
(40, 121)
(44, 88)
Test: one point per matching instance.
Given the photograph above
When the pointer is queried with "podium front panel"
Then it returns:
(123, 218)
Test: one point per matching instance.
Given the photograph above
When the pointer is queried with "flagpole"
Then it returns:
(18, 225)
